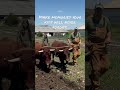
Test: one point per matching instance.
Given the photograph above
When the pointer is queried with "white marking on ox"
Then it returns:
(52, 49)
(60, 50)
(14, 60)
(70, 48)
(40, 51)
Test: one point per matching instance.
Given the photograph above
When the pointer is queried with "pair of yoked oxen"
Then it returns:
(57, 48)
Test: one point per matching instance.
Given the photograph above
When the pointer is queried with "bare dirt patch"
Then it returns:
(53, 81)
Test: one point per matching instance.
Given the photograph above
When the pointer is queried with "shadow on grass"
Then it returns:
(43, 68)
(71, 64)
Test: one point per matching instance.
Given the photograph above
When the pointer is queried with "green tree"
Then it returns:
(67, 34)
(39, 34)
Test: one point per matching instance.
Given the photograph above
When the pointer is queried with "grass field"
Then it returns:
(116, 32)
(111, 80)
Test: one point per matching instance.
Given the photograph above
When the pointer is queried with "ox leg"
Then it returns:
(53, 56)
(63, 67)
(41, 64)
(17, 81)
(29, 81)
(67, 61)
(1, 84)
(17, 84)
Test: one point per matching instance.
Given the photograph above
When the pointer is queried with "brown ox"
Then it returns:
(61, 51)
(16, 64)
(44, 55)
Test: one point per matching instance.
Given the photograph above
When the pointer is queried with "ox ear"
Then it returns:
(61, 50)
(40, 51)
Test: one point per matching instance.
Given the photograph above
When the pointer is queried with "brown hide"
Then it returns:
(65, 54)
(45, 56)
(10, 49)
(58, 44)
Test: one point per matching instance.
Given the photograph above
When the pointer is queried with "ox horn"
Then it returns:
(14, 60)
(40, 51)
(52, 49)
(60, 50)
(70, 49)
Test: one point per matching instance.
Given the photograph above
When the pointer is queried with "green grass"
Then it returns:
(77, 72)
(116, 32)
(111, 79)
